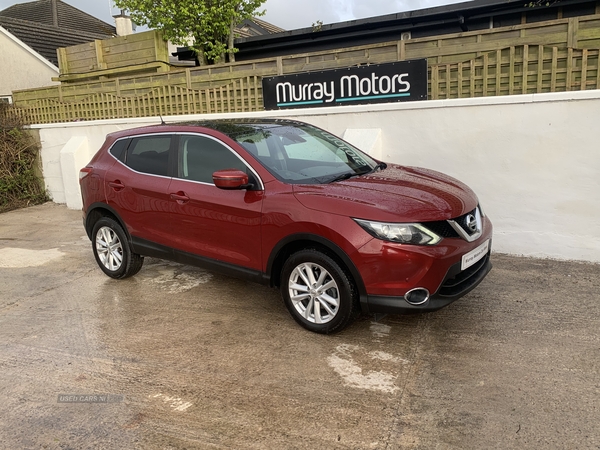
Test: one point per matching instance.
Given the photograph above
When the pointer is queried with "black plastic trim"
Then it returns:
(149, 248)
(362, 291)
(398, 305)
(101, 205)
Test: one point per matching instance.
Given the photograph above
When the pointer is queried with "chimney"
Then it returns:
(123, 24)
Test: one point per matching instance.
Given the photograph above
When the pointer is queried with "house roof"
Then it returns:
(45, 39)
(247, 29)
(256, 27)
(268, 27)
(46, 25)
(59, 14)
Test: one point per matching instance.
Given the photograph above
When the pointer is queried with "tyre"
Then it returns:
(112, 250)
(318, 293)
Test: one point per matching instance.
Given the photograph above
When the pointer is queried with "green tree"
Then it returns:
(210, 23)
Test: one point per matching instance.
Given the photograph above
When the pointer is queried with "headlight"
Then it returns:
(403, 233)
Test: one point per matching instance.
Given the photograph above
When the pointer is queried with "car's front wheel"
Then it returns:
(112, 251)
(318, 292)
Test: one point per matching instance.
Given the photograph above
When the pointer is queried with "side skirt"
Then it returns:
(148, 248)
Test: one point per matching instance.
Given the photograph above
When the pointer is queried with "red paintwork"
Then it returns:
(243, 227)
(397, 194)
(230, 179)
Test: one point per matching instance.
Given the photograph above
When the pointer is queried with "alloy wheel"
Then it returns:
(109, 248)
(314, 293)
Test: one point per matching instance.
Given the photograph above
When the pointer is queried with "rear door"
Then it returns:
(136, 187)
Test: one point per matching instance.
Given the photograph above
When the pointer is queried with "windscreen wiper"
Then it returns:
(344, 176)
(347, 175)
(380, 166)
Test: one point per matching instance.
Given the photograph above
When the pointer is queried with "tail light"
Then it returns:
(84, 172)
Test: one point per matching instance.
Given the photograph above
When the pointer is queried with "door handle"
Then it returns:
(116, 185)
(180, 197)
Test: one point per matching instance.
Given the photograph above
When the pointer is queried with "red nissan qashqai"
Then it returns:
(287, 204)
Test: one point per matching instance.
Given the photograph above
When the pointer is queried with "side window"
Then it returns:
(200, 157)
(149, 154)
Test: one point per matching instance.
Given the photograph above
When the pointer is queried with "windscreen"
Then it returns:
(302, 154)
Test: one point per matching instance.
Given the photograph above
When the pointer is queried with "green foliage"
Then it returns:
(539, 3)
(209, 22)
(19, 184)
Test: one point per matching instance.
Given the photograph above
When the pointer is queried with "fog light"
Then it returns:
(417, 296)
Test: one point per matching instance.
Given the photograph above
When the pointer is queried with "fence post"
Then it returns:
(540, 68)
(63, 61)
(569, 79)
(572, 32)
(434, 82)
(554, 69)
(584, 67)
(99, 54)
(511, 71)
(525, 68)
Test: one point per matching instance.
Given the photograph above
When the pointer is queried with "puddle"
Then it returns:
(383, 356)
(174, 278)
(174, 402)
(343, 363)
(380, 330)
(18, 258)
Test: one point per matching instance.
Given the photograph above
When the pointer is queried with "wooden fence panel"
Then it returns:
(517, 70)
(240, 95)
(548, 56)
(512, 70)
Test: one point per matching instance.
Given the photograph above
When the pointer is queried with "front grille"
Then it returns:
(444, 229)
(462, 221)
(463, 280)
(441, 228)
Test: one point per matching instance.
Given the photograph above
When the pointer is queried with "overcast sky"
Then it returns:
(288, 14)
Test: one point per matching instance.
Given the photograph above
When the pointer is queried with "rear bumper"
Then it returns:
(455, 285)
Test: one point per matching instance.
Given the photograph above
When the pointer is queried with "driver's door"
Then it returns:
(223, 225)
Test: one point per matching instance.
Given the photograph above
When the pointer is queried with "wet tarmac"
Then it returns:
(179, 358)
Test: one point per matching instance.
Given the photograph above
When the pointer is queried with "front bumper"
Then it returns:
(456, 284)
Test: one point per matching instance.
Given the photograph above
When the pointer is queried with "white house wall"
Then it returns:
(533, 160)
(20, 68)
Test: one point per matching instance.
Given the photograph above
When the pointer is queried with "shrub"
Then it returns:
(19, 184)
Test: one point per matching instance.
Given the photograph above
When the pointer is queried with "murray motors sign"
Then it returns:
(379, 83)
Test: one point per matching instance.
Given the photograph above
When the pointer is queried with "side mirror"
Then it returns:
(231, 179)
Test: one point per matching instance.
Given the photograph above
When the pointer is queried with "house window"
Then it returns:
(6, 99)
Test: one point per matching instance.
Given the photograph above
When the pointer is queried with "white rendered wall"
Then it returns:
(533, 160)
(20, 68)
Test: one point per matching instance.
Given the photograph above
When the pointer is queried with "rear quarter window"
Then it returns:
(118, 149)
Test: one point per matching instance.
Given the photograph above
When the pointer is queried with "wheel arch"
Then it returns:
(295, 242)
(98, 210)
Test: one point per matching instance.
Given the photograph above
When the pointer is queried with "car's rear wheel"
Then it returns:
(112, 251)
(318, 292)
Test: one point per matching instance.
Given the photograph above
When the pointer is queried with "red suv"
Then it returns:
(289, 205)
